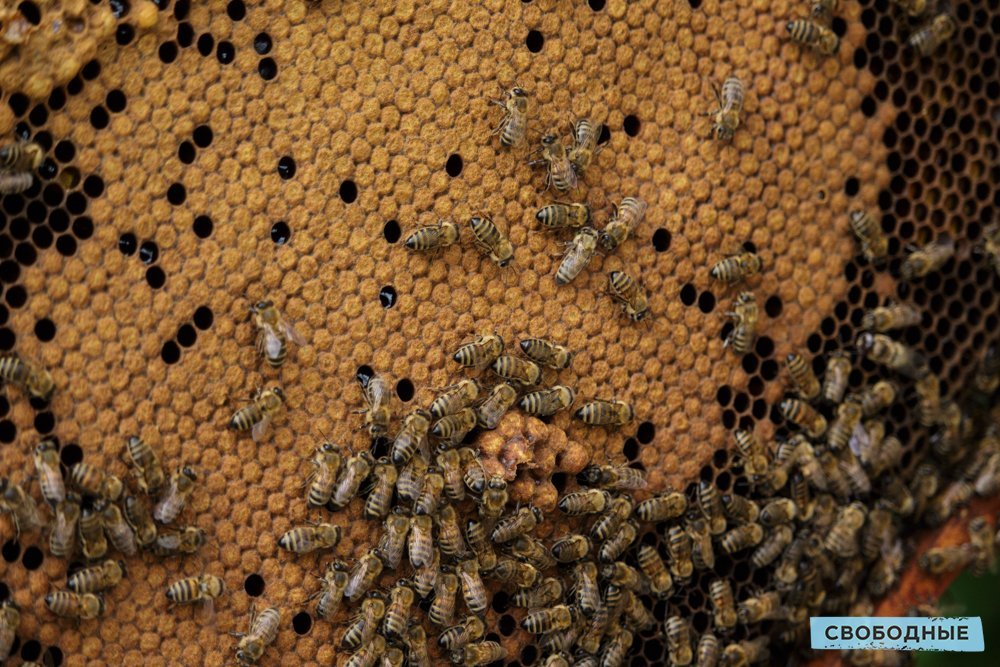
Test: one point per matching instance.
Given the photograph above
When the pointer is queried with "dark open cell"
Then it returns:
(661, 240)
(302, 622)
(706, 302)
(182, 9)
(7, 337)
(39, 115)
(262, 43)
(387, 296)
(186, 152)
(741, 402)
(500, 602)
(631, 125)
(83, 228)
(868, 106)
(9, 271)
(348, 192)
(534, 41)
(66, 245)
(205, 44)
(596, 5)
(18, 103)
(364, 374)
(185, 35)
(225, 52)
(52, 195)
(170, 353)
(155, 277)
(16, 296)
(127, 243)
(93, 186)
(203, 317)
(773, 306)
(605, 135)
(124, 34)
(380, 447)
(176, 194)
(280, 232)
(724, 395)
(13, 204)
(45, 330)
(391, 231)
(404, 389)
(202, 136)
(507, 625)
(454, 165)
(529, 654)
(149, 252)
(764, 347)
(186, 335)
(55, 656)
(99, 118)
(4, 316)
(688, 294)
(31, 649)
(119, 8)
(286, 167)
(645, 433)
(11, 550)
(8, 432)
(631, 449)
(202, 226)
(76, 203)
(267, 68)
(32, 558)
(236, 10)
(65, 151)
(45, 422)
(769, 370)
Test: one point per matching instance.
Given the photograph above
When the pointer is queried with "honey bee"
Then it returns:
(546, 353)
(572, 548)
(944, 504)
(877, 398)
(430, 494)
(420, 546)
(708, 650)
(514, 125)
(981, 538)
(711, 507)
(449, 534)
(579, 252)
(835, 378)
(940, 560)
(532, 551)
(803, 415)
(368, 655)
(914, 8)
(987, 480)
(802, 375)
(678, 633)
(545, 593)
(588, 595)
(618, 477)
(263, 631)
(585, 136)
(450, 463)
(411, 478)
(97, 578)
(930, 36)
(363, 575)
(46, 458)
(679, 548)
(205, 587)
(740, 508)
(21, 156)
(874, 244)
(175, 543)
(466, 392)
(425, 577)
(617, 647)
(451, 430)
(924, 261)
(10, 619)
(614, 514)
(742, 537)
(393, 657)
(600, 412)
(724, 607)
(752, 452)
(497, 403)
(255, 417)
(515, 370)
(433, 237)
(149, 474)
(62, 539)
(702, 552)
(764, 607)
(117, 529)
(93, 544)
(376, 393)
(848, 419)
(478, 539)
(92, 481)
(478, 654)
(274, 332)
(819, 37)
(471, 629)
(305, 539)
(323, 477)
(590, 501)
(547, 402)
(772, 546)
(561, 173)
(140, 520)
(823, 10)
(446, 591)
(557, 660)
(727, 117)
(624, 219)
(397, 614)
(379, 500)
(744, 315)
(893, 316)
(473, 589)
(494, 498)
(661, 583)
(416, 644)
(392, 542)
(510, 571)
(330, 595)
(987, 376)
(353, 473)
(625, 290)
(477, 354)
(563, 216)
(842, 540)
(83, 607)
(173, 500)
(21, 507)
(514, 525)
(744, 653)
(30, 377)
(738, 267)
(892, 354)
(547, 619)
(491, 241)
(878, 529)
(624, 576)
(662, 508)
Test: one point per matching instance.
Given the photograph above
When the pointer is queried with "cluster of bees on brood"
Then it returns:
(823, 508)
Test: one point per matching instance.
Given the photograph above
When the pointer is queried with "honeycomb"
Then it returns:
(223, 153)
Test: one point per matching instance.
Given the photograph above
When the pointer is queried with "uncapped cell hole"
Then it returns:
(302, 622)
(661, 240)
(404, 389)
(203, 317)
(202, 226)
(534, 41)
(688, 294)
(71, 454)
(170, 352)
(11, 550)
(387, 296)
(348, 192)
(645, 433)
(45, 330)
(631, 125)
(33, 558)
(186, 335)
(31, 649)
(454, 165)
(280, 232)
(391, 231)
(254, 585)
(267, 68)
(286, 167)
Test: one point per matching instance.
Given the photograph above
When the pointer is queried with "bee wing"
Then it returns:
(270, 344)
(257, 432)
(292, 334)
